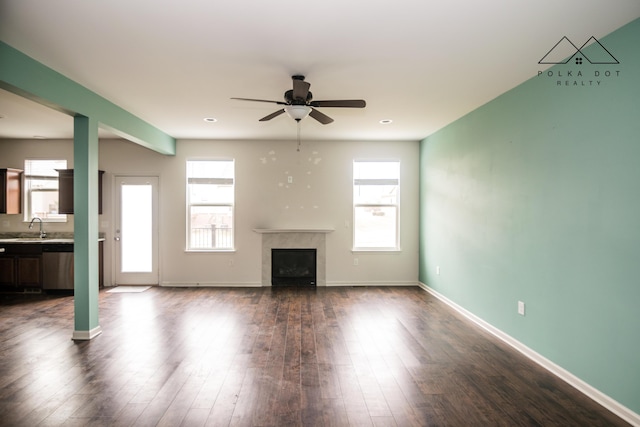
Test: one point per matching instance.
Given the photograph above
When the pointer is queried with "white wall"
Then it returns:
(319, 197)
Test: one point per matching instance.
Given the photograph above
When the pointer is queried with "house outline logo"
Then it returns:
(565, 48)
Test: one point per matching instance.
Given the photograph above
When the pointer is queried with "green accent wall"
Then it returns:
(535, 197)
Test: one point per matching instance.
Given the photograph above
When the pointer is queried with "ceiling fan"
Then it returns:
(298, 103)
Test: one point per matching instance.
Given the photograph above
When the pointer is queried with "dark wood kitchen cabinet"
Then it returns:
(8, 273)
(42, 265)
(20, 267)
(29, 271)
(65, 191)
(10, 191)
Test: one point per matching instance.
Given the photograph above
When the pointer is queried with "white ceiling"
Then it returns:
(420, 63)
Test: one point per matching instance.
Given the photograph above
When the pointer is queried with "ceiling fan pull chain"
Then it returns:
(298, 122)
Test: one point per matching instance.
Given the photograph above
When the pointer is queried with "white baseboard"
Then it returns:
(86, 335)
(385, 283)
(259, 285)
(590, 391)
(211, 284)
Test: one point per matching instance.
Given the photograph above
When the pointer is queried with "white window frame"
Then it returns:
(377, 181)
(28, 191)
(190, 245)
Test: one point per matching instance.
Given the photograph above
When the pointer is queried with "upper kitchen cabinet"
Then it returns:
(10, 191)
(65, 191)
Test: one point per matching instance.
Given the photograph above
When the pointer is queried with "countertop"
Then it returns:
(35, 240)
(30, 238)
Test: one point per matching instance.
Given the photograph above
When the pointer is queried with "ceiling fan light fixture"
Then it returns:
(298, 103)
(297, 112)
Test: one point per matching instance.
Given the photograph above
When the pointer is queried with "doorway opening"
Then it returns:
(136, 231)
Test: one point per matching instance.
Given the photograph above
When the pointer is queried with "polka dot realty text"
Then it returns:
(578, 78)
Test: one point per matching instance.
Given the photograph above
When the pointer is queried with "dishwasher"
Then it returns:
(57, 268)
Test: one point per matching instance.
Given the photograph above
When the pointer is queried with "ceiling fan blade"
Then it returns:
(300, 89)
(271, 116)
(322, 118)
(348, 103)
(261, 100)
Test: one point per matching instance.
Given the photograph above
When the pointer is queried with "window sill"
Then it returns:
(209, 250)
(360, 250)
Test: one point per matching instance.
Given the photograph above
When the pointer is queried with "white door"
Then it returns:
(136, 230)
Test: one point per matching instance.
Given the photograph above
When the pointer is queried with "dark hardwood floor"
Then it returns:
(263, 357)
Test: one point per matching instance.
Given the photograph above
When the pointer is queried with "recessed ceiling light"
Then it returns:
(210, 119)
(386, 121)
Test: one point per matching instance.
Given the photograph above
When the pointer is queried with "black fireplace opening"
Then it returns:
(293, 267)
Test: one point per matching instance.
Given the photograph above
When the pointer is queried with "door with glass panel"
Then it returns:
(136, 230)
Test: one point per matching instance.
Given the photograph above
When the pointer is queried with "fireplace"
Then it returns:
(293, 267)
(281, 238)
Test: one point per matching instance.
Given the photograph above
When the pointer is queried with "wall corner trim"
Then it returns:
(585, 388)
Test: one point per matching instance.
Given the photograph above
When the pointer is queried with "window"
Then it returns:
(210, 202)
(376, 188)
(41, 190)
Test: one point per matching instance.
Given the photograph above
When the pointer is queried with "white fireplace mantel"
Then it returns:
(292, 230)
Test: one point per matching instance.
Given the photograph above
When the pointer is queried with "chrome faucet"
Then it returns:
(43, 234)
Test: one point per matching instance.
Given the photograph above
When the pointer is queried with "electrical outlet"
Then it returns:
(355, 261)
(520, 308)
(290, 179)
(438, 270)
